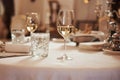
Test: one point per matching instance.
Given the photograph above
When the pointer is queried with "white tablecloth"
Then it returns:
(86, 65)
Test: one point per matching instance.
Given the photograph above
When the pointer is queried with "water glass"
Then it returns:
(18, 36)
(40, 44)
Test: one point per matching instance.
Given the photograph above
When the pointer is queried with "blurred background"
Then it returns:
(96, 13)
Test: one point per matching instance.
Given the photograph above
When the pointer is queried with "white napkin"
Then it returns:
(23, 48)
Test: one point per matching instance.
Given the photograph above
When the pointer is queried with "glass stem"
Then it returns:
(65, 48)
(31, 49)
(31, 36)
(31, 33)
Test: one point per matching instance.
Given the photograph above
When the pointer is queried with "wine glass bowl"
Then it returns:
(32, 22)
(65, 27)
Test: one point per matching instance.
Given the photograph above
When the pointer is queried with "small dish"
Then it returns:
(107, 51)
(82, 37)
(97, 46)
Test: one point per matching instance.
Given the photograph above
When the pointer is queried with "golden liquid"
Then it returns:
(66, 31)
(32, 27)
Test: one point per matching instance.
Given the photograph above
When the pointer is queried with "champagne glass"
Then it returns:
(65, 27)
(32, 22)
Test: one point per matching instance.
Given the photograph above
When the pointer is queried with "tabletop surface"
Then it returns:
(82, 59)
(85, 65)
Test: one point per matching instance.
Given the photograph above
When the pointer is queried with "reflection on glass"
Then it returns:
(32, 22)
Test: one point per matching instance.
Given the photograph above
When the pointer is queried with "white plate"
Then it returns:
(91, 34)
(97, 34)
(107, 51)
(92, 45)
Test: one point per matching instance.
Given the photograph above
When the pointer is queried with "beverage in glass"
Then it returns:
(65, 27)
(18, 35)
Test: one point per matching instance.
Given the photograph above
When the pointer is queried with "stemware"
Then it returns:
(65, 27)
(32, 22)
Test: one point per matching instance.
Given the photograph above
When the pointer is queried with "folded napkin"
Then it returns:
(23, 48)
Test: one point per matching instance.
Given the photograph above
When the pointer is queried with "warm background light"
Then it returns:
(86, 1)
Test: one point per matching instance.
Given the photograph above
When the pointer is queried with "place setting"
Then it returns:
(35, 45)
(90, 40)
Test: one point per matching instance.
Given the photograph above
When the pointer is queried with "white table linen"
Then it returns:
(86, 65)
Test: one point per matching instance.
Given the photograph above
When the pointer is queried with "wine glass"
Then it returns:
(32, 22)
(65, 27)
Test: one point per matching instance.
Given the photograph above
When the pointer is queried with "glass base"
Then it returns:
(64, 57)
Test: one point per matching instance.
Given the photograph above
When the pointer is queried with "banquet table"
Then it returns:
(85, 65)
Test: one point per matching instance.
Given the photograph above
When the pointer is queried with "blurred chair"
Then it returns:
(54, 6)
(8, 6)
(54, 9)
(3, 29)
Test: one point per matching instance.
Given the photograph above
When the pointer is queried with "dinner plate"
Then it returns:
(91, 45)
(97, 34)
(107, 51)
